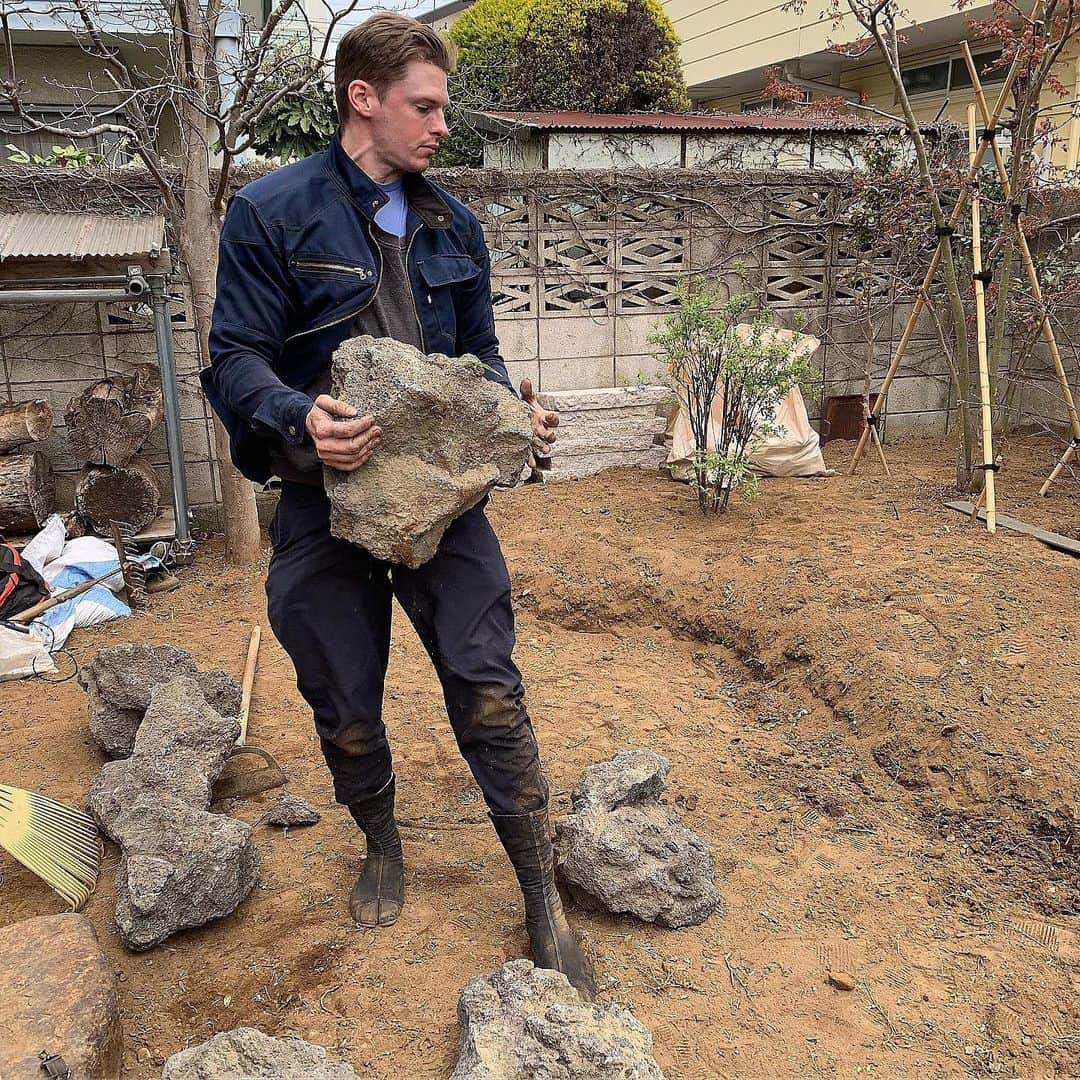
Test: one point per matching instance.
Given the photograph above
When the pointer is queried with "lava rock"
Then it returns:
(622, 851)
(448, 435)
(291, 810)
(121, 678)
(245, 1053)
(181, 865)
(529, 1023)
(631, 776)
(58, 994)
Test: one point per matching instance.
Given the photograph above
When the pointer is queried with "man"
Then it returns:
(354, 240)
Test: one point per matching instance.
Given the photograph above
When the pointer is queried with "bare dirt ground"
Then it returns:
(873, 714)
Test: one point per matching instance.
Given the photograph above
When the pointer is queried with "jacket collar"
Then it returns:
(366, 195)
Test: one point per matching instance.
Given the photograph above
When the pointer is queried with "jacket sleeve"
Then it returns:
(476, 316)
(248, 328)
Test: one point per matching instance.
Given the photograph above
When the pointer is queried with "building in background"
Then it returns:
(727, 45)
(530, 141)
(56, 71)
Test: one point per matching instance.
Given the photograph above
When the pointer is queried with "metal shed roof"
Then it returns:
(581, 121)
(80, 236)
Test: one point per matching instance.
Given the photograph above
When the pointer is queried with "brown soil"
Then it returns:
(872, 709)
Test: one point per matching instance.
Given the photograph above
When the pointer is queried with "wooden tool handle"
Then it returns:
(249, 681)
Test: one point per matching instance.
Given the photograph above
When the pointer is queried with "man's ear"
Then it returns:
(362, 96)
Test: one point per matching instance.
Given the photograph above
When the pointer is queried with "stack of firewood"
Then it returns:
(108, 424)
(27, 490)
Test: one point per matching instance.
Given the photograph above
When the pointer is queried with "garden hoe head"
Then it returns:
(243, 784)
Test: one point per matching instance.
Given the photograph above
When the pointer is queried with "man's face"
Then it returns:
(408, 121)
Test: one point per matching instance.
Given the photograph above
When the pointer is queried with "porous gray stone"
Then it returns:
(119, 682)
(529, 1023)
(291, 810)
(622, 851)
(246, 1053)
(181, 866)
(448, 436)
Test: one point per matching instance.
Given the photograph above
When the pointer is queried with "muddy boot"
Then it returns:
(526, 839)
(379, 893)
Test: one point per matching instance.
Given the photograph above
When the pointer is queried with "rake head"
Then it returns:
(59, 844)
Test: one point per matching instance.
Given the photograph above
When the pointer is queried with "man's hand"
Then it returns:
(543, 423)
(343, 444)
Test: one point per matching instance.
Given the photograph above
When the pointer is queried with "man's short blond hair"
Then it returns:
(378, 51)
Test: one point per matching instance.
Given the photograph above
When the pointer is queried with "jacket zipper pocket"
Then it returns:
(334, 268)
(351, 314)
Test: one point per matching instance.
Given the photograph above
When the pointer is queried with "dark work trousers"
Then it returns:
(330, 607)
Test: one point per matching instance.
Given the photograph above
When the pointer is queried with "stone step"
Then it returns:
(608, 397)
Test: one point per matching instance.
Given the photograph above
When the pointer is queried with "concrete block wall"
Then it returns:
(584, 263)
(56, 351)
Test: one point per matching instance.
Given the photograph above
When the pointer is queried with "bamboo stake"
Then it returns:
(931, 270)
(1033, 280)
(980, 335)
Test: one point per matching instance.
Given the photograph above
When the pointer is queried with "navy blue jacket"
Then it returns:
(297, 263)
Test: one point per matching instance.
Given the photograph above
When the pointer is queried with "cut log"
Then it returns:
(27, 491)
(109, 422)
(128, 494)
(24, 422)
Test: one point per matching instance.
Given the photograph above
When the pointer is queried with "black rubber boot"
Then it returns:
(527, 842)
(379, 893)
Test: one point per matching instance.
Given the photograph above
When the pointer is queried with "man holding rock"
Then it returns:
(354, 240)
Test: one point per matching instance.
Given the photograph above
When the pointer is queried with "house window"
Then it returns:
(772, 104)
(951, 73)
(15, 132)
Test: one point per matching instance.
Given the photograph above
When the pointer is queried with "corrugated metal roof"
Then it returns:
(580, 121)
(79, 236)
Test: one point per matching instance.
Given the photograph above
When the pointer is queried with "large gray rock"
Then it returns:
(529, 1023)
(622, 851)
(119, 682)
(246, 1053)
(181, 866)
(448, 435)
(57, 993)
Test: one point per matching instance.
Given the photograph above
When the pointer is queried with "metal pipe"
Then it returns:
(61, 296)
(170, 401)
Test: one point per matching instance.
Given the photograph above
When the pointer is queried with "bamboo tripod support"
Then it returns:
(931, 272)
(989, 465)
(1033, 280)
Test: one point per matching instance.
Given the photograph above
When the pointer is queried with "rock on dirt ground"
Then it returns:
(621, 850)
(181, 865)
(529, 1023)
(119, 680)
(58, 993)
(427, 472)
(290, 811)
(246, 1053)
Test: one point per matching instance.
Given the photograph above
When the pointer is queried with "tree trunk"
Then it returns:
(23, 422)
(109, 422)
(199, 234)
(27, 491)
(128, 494)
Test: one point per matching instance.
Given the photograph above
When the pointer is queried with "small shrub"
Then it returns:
(752, 370)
